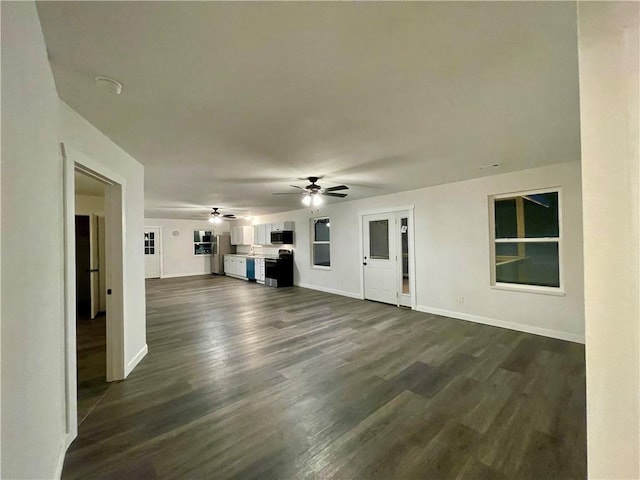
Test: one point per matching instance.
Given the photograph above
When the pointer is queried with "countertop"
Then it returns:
(246, 255)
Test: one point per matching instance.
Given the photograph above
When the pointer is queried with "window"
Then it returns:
(321, 242)
(202, 242)
(149, 243)
(526, 239)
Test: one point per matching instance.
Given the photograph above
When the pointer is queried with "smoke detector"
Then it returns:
(109, 85)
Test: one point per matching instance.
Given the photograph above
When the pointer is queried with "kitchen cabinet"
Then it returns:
(260, 235)
(235, 266)
(242, 235)
(267, 233)
(279, 226)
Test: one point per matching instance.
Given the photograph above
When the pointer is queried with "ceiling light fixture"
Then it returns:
(490, 166)
(316, 201)
(109, 85)
(306, 200)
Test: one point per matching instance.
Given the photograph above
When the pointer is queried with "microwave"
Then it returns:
(284, 237)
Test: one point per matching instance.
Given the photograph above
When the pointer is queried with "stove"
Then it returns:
(279, 271)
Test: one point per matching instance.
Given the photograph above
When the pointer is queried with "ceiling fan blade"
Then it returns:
(339, 187)
(286, 193)
(229, 215)
(295, 186)
(339, 195)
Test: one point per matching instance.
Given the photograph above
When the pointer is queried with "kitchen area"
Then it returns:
(240, 254)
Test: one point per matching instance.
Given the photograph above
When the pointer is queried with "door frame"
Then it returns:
(115, 188)
(159, 249)
(412, 256)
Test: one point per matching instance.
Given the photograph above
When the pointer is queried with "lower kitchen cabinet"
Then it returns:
(235, 266)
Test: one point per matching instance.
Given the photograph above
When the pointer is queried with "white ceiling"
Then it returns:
(86, 185)
(226, 103)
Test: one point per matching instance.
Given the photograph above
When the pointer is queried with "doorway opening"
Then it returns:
(91, 298)
(105, 278)
(388, 271)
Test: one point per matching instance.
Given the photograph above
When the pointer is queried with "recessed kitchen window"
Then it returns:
(202, 242)
(321, 242)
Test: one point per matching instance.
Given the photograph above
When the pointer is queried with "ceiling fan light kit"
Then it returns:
(312, 193)
(216, 216)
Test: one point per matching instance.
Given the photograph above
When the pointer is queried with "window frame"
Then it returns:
(517, 287)
(193, 251)
(149, 243)
(312, 224)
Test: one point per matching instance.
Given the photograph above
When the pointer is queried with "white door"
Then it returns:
(94, 265)
(380, 258)
(151, 252)
(102, 263)
(405, 265)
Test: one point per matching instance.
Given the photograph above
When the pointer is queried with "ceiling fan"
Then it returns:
(311, 194)
(217, 217)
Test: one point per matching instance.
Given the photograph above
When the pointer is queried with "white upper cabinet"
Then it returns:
(242, 235)
(279, 226)
(260, 234)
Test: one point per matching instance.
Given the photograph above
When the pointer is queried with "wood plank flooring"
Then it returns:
(245, 381)
(91, 336)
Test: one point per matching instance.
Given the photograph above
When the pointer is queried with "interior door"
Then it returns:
(94, 265)
(102, 263)
(380, 258)
(404, 264)
(151, 252)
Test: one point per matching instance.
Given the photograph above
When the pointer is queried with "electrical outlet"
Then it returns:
(460, 299)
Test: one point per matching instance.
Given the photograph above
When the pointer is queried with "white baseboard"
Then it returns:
(62, 452)
(191, 274)
(330, 290)
(545, 332)
(136, 360)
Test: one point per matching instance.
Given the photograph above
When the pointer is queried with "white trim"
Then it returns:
(320, 267)
(540, 290)
(523, 193)
(136, 359)
(386, 210)
(519, 327)
(528, 240)
(330, 290)
(62, 452)
(68, 211)
(115, 208)
(312, 236)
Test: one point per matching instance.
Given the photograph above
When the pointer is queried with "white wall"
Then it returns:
(609, 100)
(178, 259)
(88, 204)
(452, 251)
(33, 410)
(87, 144)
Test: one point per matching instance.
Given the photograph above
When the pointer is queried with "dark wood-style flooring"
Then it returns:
(246, 381)
(91, 346)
